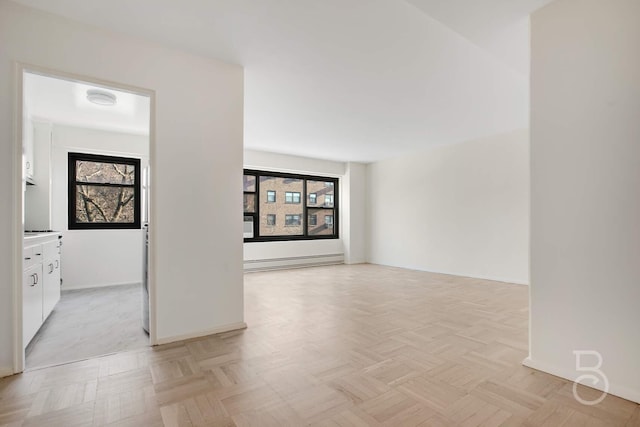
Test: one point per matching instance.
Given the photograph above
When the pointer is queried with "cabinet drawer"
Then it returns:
(50, 249)
(32, 255)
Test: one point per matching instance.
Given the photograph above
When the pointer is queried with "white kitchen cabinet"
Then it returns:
(31, 302)
(51, 280)
(41, 281)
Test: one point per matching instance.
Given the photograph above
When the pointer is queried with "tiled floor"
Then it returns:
(89, 323)
(356, 345)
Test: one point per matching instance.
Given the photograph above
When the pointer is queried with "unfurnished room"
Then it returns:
(336, 213)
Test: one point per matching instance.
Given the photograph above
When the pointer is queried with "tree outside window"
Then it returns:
(104, 192)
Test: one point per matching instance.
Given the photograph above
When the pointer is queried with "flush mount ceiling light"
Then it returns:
(101, 97)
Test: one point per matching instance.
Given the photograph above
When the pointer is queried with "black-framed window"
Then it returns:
(104, 192)
(306, 202)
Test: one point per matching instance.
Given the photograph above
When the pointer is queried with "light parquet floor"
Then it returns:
(356, 345)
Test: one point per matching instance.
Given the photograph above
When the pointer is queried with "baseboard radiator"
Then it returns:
(292, 262)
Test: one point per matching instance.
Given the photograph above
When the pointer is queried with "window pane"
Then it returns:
(320, 222)
(324, 192)
(328, 220)
(105, 173)
(250, 183)
(292, 220)
(286, 194)
(98, 204)
(250, 203)
(248, 227)
(292, 197)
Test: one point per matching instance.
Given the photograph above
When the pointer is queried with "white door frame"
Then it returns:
(18, 198)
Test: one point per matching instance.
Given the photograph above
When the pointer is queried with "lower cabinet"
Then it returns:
(51, 282)
(31, 302)
(41, 283)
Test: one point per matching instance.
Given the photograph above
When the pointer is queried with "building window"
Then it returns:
(303, 206)
(248, 227)
(104, 192)
(292, 220)
(292, 197)
(328, 220)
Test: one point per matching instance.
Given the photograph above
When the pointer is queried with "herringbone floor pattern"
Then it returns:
(331, 346)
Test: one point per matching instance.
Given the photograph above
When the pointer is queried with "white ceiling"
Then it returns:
(356, 80)
(65, 102)
(499, 26)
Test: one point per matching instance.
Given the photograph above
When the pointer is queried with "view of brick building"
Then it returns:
(281, 205)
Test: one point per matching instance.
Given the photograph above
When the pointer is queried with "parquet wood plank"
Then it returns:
(343, 346)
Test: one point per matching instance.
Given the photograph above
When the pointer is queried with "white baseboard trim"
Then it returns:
(6, 372)
(212, 331)
(106, 285)
(614, 389)
(449, 273)
(255, 265)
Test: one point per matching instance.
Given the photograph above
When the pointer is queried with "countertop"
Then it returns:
(34, 236)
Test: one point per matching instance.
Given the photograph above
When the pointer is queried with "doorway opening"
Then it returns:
(85, 214)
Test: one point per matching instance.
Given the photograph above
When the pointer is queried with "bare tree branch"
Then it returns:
(88, 199)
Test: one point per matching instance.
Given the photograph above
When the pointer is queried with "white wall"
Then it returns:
(93, 258)
(459, 209)
(258, 255)
(37, 198)
(196, 248)
(354, 210)
(585, 216)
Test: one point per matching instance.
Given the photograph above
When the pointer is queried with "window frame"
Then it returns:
(72, 184)
(327, 223)
(304, 214)
(328, 204)
(293, 197)
(275, 196)
(293, 216)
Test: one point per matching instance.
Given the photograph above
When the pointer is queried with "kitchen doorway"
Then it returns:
(85, 209)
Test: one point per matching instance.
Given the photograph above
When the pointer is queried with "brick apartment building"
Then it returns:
(281, 206)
